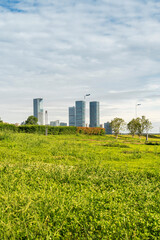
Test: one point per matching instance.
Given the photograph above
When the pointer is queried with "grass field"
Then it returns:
(78, 187)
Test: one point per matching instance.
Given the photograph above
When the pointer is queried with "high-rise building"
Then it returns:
(38, 109)
(94, 114)
(80, 113)
(108, 128)
(72, 116)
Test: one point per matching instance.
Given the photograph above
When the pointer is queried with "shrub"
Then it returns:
(61, 130)
(6, 126)
(152, 143)
(32, 129)
(51, 130)
(41, 129)
(91, 130)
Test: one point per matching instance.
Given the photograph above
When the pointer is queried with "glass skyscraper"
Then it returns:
(94, 114)
(38, 109)
(72, 116)
(80, 113)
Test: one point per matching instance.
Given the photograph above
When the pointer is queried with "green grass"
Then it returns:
(78, 187)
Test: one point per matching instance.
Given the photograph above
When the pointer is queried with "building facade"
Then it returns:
(80, 113)
(94, 114)
(54, 123)
(63, 124)
(72, 116)
(38, 109)
(108, 128)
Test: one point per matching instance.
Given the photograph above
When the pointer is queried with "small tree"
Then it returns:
(133, 126)
(31, 120)
(143, 124)
(117, 125)
(140, 127)
(147, 125)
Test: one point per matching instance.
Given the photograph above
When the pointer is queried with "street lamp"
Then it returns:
(138, 104)
(87, 95)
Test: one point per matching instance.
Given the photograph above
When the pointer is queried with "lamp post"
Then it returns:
(87, 95)
(138, 104)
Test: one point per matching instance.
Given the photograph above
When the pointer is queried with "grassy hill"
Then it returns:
(78, 187)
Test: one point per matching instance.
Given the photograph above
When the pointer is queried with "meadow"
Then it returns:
(79, 187)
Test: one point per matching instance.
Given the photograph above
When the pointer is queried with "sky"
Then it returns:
(61, 50)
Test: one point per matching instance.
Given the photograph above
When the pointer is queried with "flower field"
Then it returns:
(79, 187)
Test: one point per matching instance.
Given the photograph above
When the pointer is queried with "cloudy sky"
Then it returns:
(62, 49)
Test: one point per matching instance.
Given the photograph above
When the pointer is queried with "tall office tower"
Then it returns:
(38, 109)
(72, 116)
(80, 113)
(108, 128)
(94, 114)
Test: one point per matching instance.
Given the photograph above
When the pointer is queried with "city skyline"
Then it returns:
(63, 50)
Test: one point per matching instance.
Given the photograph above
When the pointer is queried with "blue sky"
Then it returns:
(60, 50)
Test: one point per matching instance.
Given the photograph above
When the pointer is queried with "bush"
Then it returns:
(32, 129)
(152, 143)
(51, 130)
(61, 130)
(91, 130)
(41, 129)
(6, 126)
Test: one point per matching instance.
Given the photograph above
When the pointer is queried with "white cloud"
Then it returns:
(60, 50)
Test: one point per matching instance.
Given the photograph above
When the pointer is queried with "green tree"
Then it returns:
(147, 125)
(143, 124)
(117, 124)
(132, 126)
(31, 120)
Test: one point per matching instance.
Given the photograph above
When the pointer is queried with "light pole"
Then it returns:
(87, 95)
(138, 104)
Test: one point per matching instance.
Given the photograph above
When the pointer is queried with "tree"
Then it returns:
(147, 125)
(143, 124)
(140, 127)
(133, 126)
(31, 120)
(117, 125)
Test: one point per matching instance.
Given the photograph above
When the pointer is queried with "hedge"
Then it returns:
(91, 130)
(7, 126)
(51, 130)
(41, 129)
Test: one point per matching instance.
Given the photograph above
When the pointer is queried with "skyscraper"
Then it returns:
(38, 109)
(72, 116)
(80, 113)
(94, 114)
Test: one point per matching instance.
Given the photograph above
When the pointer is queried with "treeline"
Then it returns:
(41, 129)
(135, 126)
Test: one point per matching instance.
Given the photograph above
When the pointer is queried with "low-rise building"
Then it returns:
(54, 123)
(108, 128)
